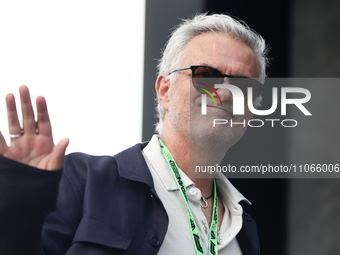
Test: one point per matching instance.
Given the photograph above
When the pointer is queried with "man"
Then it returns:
(142, 200)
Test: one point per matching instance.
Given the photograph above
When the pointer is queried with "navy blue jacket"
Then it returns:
(105, 205)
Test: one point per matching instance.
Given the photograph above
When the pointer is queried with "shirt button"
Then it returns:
(193, 191)
(154, 241)
(205, 229)
(238, 207)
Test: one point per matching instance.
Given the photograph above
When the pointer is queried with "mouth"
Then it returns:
(223, 109)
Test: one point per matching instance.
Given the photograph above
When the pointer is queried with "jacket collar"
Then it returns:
(133, 157)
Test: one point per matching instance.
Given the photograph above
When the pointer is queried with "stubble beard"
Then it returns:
(179, 118)
(212, 141)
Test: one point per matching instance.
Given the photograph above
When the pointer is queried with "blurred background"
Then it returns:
(86, 58)
(95, 62)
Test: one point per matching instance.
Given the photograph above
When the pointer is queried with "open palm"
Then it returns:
(33, 144)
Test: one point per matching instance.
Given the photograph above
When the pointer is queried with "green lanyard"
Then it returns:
(196, 238)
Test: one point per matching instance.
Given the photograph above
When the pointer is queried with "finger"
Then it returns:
(12, 115)
(58, 155)
(3, 144)
(27, 111)
(44, 124)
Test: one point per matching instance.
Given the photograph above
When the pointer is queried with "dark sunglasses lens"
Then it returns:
(205, 78)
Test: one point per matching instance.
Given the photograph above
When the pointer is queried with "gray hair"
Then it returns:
(202, 23)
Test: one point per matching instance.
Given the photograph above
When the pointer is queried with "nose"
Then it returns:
(225, 95)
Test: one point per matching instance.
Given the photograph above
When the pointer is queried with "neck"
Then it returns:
(187, 158)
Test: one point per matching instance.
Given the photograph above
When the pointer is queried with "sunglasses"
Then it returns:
(204, 79)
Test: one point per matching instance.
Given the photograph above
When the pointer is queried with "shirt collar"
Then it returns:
(228, 190)
(152, 153)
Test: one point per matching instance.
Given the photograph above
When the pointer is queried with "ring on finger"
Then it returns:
(14, 136)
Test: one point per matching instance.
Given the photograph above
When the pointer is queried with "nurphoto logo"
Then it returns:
(239, 102)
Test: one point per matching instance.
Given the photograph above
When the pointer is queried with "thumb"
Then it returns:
(58, 155)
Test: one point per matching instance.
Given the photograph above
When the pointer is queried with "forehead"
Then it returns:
(223, 52)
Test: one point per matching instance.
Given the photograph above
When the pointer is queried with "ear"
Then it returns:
(163, 91)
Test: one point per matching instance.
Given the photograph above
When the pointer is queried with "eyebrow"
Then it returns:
(235, 75)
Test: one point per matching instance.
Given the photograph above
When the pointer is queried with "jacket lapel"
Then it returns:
(132, 166)
(248, 237)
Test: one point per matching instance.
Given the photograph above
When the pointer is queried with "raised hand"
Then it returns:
(33, 144)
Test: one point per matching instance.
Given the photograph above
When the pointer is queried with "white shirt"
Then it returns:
(178, 238)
